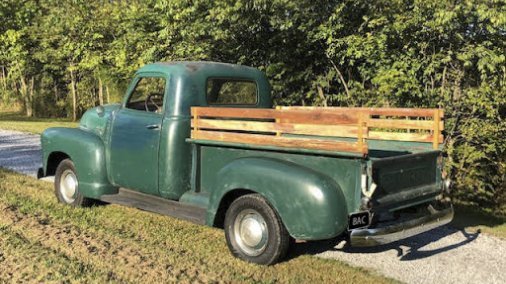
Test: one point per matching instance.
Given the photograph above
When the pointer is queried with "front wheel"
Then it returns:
(254, 231)
(66, 185)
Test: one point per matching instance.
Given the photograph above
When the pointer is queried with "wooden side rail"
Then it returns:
(314, 127)
(289, 128)
(401, 124)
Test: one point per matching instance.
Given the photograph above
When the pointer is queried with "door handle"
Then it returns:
(153, 126)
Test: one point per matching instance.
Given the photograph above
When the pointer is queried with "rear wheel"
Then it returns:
(254, 231)
(66, 185)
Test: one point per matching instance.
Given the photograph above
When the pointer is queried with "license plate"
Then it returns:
(358, 220)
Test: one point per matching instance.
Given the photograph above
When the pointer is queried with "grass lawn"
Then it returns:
(42, 240)
(13, 120)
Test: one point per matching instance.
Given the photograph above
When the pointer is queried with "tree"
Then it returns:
(58, 58)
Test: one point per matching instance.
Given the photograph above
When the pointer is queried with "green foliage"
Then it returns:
(430, 53)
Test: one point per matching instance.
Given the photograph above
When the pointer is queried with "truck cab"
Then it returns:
(146, 149)
(200, 141)
(142, 140)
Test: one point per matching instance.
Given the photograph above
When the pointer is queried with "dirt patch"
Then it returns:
(128, 261)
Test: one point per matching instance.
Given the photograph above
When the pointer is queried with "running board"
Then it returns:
(157, 204)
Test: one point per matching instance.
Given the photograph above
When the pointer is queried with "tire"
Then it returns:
(66, 186)
(254, 231)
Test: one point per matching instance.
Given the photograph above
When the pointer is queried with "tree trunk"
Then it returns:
(30, 110)
(107, 94)
(443, 83)
(100, 92)
(94, 93)
(15, 88)
(4, 79)
(55, 92)
(322, 96)
(25, 96)
(341, 77)
(74, 94)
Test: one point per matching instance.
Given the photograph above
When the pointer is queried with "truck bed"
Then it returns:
(396, 149)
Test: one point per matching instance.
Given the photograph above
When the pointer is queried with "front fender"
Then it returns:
(311, 205)
(87, 151)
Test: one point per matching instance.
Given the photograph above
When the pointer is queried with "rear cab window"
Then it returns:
(231, 91)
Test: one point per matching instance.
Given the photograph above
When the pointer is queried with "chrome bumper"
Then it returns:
(384, 235)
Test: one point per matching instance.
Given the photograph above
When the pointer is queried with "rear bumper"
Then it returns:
(384, 235)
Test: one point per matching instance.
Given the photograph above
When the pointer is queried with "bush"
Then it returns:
(430, 53)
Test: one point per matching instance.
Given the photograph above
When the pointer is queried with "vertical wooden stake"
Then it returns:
(277, 121)
(195, 122)
(361, 122)
(435, 138)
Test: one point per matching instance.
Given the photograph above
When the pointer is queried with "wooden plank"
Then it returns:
(410, 112)
(435, 143)
(315, 121)
(278, 128)
(317, 117)
(398, 136)
(234, 112)
(320, 130)
(404, 124)
(279, 141)
(326, 117)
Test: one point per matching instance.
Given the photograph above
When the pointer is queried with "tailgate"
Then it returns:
(406, 180)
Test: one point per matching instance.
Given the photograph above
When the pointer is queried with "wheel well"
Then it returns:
(53, 161)
(225, 202)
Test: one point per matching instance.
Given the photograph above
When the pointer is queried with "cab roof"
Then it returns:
(202, 68)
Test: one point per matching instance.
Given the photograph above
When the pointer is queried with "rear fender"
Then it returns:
(311, 205)
(86, 150)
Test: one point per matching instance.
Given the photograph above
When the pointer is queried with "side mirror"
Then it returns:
(100, 111)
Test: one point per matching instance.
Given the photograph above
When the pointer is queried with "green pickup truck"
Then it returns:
(201, 141)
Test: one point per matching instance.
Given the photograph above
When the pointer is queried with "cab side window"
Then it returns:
(148, 95)
(224, 91)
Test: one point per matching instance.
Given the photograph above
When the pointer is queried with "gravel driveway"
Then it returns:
(20, 152)
(443, 255)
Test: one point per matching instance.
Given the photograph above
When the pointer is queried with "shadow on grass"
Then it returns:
(470, 216)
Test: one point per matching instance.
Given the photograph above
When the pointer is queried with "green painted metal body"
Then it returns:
(87, 151)
(312, 194)
(312, 191)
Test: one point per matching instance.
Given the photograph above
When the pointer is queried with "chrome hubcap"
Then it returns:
(250, 231)
(68, 186)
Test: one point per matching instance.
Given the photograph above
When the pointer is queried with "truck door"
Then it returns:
(135, 136)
